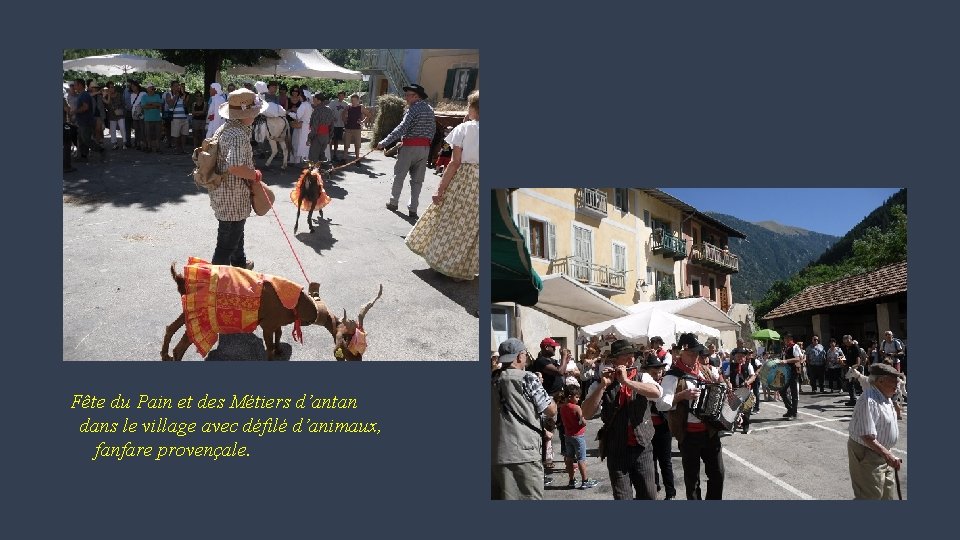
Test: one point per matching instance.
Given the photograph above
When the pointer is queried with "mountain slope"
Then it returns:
(770, 252)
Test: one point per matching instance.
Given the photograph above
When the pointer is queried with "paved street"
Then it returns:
(779, 459)
(126, 220)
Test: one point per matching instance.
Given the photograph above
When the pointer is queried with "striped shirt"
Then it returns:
(874, 415)
(418, 121)
(178, 107)
(231, 201)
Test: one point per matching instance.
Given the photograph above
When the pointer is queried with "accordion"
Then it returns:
(715, 407)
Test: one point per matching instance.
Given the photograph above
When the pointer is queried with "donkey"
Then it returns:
(273, 130)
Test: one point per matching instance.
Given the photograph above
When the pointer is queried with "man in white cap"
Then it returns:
(231, 199)
(216, 100)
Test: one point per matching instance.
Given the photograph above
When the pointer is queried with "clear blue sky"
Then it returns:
(824, 210)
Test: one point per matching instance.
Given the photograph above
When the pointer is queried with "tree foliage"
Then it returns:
(211, 61)
(205, 66)
(666, 290)
(872, 248)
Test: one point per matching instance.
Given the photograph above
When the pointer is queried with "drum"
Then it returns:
(774, 375)
(746, 395)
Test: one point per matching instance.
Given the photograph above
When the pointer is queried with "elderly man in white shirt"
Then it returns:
(873, 433)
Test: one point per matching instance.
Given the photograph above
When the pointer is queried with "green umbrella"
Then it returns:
(512, 278)
(766, 334)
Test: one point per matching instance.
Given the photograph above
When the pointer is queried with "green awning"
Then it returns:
(513, 279)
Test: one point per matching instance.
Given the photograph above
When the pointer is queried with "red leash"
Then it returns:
(284, 231)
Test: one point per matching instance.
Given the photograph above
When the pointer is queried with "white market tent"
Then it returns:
(575, 304)
(112, 65)
(695, 309)
(298, 63)
(646, 324)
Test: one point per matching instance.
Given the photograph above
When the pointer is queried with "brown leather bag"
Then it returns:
(261, 197)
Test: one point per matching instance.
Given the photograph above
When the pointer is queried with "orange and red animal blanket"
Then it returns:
(307, 205)
(226, 300)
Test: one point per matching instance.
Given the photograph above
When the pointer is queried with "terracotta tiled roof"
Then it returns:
(886, 281)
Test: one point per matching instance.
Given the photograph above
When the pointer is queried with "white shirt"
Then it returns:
(666, 402)
(874, 415)
(467, 137)
(338, 107)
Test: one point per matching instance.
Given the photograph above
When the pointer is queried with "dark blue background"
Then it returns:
(668, 94)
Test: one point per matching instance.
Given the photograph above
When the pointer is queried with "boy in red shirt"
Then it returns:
(576, 445)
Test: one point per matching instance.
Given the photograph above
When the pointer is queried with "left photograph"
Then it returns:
(270, 204)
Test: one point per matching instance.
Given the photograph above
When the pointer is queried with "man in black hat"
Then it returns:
(662, 353)
(625, 398)
(662, 440)
(696, 440)
(519, 402)
(873, 434)
(790, 393)
(416, 131)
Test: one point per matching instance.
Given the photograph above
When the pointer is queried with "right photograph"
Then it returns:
(699, 343)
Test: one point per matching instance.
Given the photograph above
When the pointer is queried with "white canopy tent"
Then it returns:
(112, 65)
(695, 309)
(298, 63)
(638, 327)
(575, 304)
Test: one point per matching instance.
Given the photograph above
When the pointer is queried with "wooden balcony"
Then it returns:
(710, 256)
(592, 202)
(602, 279)
(668, 244)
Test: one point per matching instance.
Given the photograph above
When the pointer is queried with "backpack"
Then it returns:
(205, 160)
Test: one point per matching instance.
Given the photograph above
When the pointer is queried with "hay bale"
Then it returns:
(389, 114)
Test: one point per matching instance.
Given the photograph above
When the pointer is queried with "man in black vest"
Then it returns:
(791, 390)
(855, 358)
(625, 397)
(696, 440)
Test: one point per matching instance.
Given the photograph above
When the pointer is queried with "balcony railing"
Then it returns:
(711, 256)
(602, 278)
(668, 244)
(592, 202)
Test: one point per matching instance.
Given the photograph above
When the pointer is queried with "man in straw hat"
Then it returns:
(696, 440)
(873, 434)
(231, 199)
(416, 131)
(518, 402)
(625, 397)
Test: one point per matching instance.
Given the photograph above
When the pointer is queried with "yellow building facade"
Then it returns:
(630, 245)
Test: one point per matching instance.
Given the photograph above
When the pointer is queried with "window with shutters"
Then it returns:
(540, 236)
(538, 239)
(582, 252)
(621, 199)
(619, 257)
(460, 82)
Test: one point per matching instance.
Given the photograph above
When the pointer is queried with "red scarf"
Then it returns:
(694, 371)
